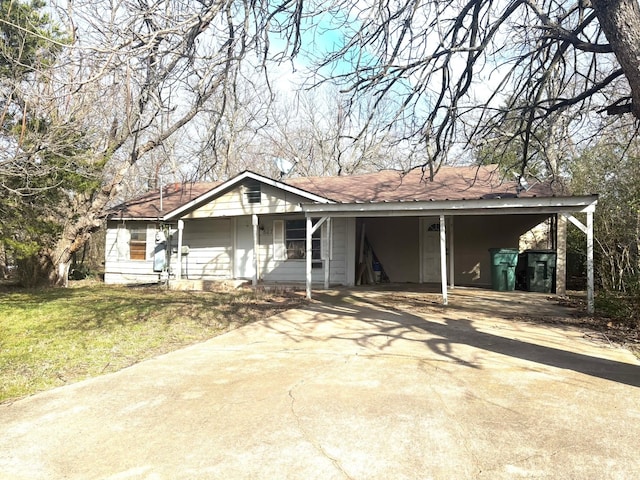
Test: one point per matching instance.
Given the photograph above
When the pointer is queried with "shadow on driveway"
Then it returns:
(441, 329)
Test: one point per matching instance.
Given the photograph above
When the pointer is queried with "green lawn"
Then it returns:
(56, 336)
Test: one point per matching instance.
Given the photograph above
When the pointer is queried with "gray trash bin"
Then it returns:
(540, 270)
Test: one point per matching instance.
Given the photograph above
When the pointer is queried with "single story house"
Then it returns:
(336, 230)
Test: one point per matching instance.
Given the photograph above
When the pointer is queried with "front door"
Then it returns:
(243, 266)
(431, 270)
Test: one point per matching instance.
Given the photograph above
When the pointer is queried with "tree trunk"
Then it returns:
(620, 22)
(4, 270)
(74, 237)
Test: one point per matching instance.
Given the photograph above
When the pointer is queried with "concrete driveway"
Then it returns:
(349, 388)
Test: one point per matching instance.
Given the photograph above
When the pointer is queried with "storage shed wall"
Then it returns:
(475, 235)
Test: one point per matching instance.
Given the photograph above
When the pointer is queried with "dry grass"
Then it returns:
(55, 336)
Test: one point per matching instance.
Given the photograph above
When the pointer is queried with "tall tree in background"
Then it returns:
(136, 75)
(30, 179)
(612, 170)
(314, 133)
(464, 69)
(133, 74)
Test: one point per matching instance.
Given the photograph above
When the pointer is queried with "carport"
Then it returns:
(564, 208)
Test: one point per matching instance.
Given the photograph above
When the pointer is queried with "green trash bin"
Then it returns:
(503, 268)
(541, 270)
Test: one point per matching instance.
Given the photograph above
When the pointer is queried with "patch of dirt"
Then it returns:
(599, 329)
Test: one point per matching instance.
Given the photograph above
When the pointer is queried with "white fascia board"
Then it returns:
(497, 206)
(134, 219)
(288, 188)
(232, 182)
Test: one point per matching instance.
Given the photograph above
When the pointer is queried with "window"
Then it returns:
(290, 239)
(138, 243)
(253, 192)
(131, 243)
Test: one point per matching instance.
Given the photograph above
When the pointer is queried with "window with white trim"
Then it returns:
(131, 242)
(290, 240)
(138, 243)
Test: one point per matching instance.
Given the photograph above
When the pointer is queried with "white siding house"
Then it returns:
(316, 230)
(244, 229)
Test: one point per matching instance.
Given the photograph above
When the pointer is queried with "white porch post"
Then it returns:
(451, 256)
(443, 259)
(180, 229)
(590, 286)
(254, 223)
(308, 255)
(311, 229)
(328, 254)
(421, 227)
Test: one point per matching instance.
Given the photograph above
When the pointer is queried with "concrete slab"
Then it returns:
(352, 386)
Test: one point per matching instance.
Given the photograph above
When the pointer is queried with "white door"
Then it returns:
(243, 266)
(431, 269)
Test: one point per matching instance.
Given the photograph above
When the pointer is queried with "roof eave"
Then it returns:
(502, 206)
(116, 218)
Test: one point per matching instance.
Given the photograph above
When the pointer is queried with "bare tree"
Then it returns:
(423, 75)
(456, 69)
(133, 74)
(285, 132)
(318, 132)
(611, 169)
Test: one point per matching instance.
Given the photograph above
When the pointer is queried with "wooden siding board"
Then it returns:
(210, 249)
(235, 203)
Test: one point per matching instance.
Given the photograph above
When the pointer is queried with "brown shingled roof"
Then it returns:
(173, 196)
(450, 183)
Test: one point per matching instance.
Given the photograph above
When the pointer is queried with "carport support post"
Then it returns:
(311, 228)
(254, 223)
(588, 230)
(308, 255)
(451, 256)
(590, 288)
(443, 259)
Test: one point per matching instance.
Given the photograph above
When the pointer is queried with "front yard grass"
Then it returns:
(56, 336)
